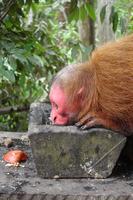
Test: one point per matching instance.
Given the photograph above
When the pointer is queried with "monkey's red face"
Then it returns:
(61, 113)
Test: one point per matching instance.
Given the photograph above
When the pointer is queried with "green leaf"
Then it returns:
(115, 21)
(29, 2)
(7, 45)
(74, 52)
(74, 15)
(8, 23)
(1, 61)
(73, 5)
(73, 11)
(114, 18)
(9, 75)
(82, 13)
(36, 60)
(12, 63)
(20, 12)
(90, 10)
(26, 94)
(36, 1)
(20, 57)
(103, 13)
(122, 25)
(22, 80)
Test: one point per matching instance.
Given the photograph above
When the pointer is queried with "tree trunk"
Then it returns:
(87, 32)
(104, 31)
(86, 29)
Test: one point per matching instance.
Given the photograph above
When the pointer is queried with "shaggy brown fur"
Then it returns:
(107, 83)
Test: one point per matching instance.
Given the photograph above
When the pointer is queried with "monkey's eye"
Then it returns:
(55, 106)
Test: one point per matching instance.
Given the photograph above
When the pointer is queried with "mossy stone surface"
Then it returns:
(67, 152)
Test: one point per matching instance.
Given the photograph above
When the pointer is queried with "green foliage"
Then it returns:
(90, 11)
(124, 10)
(114, 18)
(34, 44)
(23, 55)
(121, 16)
(103, 13)
(79, 10)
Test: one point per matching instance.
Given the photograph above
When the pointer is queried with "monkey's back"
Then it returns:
(113, 64)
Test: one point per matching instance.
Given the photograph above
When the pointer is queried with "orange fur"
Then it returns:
(107, 80)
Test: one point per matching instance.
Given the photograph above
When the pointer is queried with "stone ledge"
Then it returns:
(68, 152)
(22, 183)
(13, 135)
(63, 197)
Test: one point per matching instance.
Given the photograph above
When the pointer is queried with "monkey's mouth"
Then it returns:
(69, 123)
(50, 121)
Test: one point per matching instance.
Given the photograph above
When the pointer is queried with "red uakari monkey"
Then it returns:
(98, 92)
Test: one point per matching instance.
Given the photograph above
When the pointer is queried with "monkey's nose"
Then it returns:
(54, 119)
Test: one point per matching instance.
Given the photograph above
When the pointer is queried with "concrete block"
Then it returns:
(39, 114)
(67, 152)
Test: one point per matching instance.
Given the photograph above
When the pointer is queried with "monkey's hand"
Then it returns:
(93, 120)
(88, 121)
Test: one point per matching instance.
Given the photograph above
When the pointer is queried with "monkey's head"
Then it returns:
(62, 113)
(68, 93)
